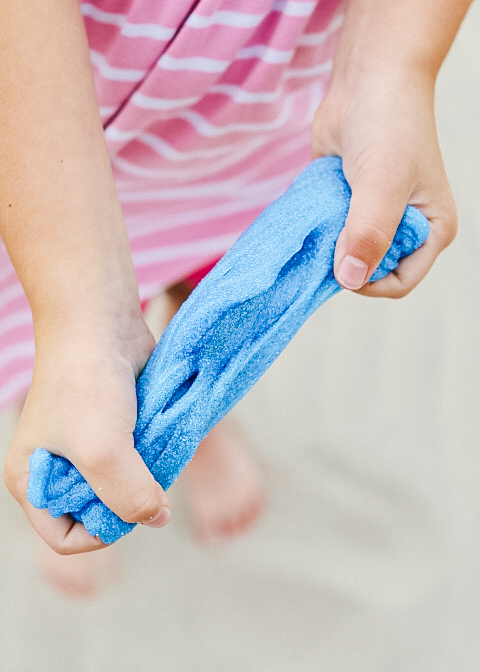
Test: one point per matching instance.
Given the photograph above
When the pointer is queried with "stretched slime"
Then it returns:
(227, 333)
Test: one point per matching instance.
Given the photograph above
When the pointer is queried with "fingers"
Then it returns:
(377, 205)
(64, 535)
(409, 273)
(376, 208)
(412, 269)
(118, 476)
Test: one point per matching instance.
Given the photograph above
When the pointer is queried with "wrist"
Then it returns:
(84, 291)
(360, 68)
(378, 98)
(83, 332)
(89, 303)
(399, 36)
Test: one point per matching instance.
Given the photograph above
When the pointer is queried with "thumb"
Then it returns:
(376, 208)
(121, 479)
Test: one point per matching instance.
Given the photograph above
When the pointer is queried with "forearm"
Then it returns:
(60, 218)
(397, 35)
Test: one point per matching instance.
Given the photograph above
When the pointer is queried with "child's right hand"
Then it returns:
(82, 406)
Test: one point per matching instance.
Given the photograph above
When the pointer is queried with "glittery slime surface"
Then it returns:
(228, 332)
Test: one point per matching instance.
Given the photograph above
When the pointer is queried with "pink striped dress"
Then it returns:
(206, 107)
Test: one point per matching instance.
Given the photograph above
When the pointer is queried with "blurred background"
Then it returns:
(368, 434)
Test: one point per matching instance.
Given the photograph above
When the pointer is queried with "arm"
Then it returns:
(62, 225)
(378, 115)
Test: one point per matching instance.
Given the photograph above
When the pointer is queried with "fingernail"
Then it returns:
(161, 519)
(352, 272)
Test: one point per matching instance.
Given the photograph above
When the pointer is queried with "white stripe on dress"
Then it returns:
(147, 102)
(116, 135)
(241, 96)
(15, 320)
(115, 19)
(6, 271)
(13, 292)
(15, 351)
(315, 39)
(225, 18)
(107, 111)
(128, 29)
(233, 91)
(199, 63)
(314, 70)
(265, 53)
(115, 74)
(293, 7)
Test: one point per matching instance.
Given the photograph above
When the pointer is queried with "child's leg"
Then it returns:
(78, 576)
(223, 486)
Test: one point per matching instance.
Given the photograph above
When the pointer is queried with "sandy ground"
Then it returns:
(368, 557)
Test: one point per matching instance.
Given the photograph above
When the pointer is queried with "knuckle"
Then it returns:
(390, 293)
(372, 241)
(94, 462)
(450, 227)
(60, 548)
(399, 292)
(143, 507)
(11, 476)
(9, 479)
(394, 286)
(324, 138)
(64, 544)
(445, 221)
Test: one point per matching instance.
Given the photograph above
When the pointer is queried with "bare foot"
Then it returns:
(223, 486)
(77, 576)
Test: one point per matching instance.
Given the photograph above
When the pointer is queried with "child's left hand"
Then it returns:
(381, 122)
(385, 133)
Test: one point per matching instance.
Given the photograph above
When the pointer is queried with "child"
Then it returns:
(205, 110)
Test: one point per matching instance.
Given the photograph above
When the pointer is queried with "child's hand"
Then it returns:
(384, 130)
(82, 406)
(379, 117)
